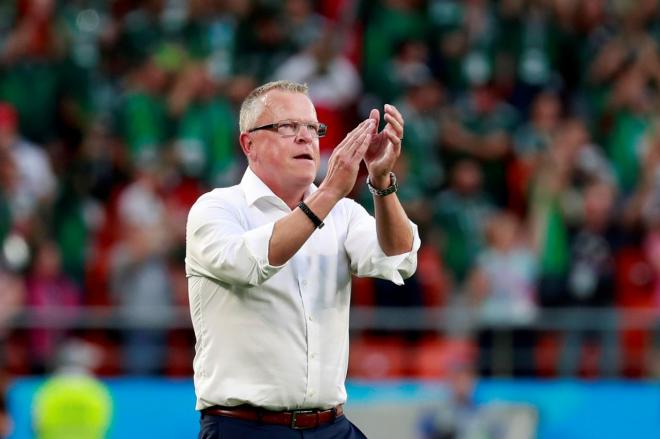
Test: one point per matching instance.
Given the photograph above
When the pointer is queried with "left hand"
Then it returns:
(385, 146)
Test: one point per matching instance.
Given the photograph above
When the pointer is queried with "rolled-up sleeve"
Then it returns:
(367, 257)
(219, 246)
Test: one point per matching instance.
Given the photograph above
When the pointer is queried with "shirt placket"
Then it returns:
(312, 336)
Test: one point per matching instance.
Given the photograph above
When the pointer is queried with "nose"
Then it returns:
(304, 134)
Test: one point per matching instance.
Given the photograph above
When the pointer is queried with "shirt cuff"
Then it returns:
(257, 242)
(396, 268)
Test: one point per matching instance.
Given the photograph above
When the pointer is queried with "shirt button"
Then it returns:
(310, 318)
(313, 355)
(304, 282)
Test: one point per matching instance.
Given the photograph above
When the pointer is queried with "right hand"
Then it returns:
(344, 162)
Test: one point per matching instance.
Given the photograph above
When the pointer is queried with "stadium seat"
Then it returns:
(432, 358)
(546, 354)
(378, 358)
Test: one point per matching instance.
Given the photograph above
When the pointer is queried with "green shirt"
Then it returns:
(206, 141)
(387, 27)
(143, 124)
(624, 142)
(32, 87)
(461, 219)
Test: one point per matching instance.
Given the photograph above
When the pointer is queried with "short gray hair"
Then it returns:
(253, 106)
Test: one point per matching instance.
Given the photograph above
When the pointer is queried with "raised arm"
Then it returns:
(395, 235)
(291, 232)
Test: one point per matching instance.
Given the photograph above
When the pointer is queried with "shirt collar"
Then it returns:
(254, 188)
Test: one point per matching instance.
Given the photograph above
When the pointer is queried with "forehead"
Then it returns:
(280, 105)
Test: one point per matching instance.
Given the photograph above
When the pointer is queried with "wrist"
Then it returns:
(316, 221)
(327, 195)
(382, 181)
(391, 188)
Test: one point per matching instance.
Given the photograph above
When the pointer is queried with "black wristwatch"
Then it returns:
(393, 187)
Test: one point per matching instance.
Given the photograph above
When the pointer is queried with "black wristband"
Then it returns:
(315, 219)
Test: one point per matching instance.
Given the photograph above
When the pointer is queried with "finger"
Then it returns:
(366, 127)
(375, 116)
(395, 124)
(358, 130)
(350, 137)
(363, 147)
(357, 145)
(394, 112)
(395, 140)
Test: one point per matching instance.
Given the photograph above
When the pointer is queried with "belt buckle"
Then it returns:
(294, 414)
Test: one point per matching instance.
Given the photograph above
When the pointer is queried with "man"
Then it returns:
(269, 261)
(73, 403)
(30, 180)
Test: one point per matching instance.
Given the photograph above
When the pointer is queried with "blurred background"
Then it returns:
(531, 163)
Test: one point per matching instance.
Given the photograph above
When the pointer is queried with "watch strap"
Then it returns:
(392, 188)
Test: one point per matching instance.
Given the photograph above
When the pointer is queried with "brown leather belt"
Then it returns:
(296, 419)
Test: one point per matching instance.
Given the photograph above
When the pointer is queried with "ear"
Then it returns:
(246, 143)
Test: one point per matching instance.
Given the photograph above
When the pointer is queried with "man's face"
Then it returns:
(285, 162)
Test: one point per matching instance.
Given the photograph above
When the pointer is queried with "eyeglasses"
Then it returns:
(290, 128)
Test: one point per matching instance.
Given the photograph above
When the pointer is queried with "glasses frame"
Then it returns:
(322, 128)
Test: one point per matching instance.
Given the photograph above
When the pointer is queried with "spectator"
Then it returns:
(462, 416)
(142, 30)
(334, 86)
(53, 292)
(31, 186)
(535, 137)
(502, 286)
(460, 212)
(480, 129)
(590, 280)
(423, 104)
(72, 403)
(261, 42)
(530, 142)
(570, 163)
(204, 140)
(458, 416)
(628, 108)
(139, 277)
(466, 42)
(305, 25)
(143, 120)
(29, 58)
(407, 67)
(388, 22)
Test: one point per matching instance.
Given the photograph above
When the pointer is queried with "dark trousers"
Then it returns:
(506, 352)
(221, 427)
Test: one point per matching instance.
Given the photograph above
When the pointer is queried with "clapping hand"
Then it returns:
(385, 146)
(345, 160)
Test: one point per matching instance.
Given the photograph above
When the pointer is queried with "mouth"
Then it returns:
(304, 157)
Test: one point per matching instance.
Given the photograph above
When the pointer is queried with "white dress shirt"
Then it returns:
(276, 336)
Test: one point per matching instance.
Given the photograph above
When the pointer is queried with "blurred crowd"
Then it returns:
(531, 160)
